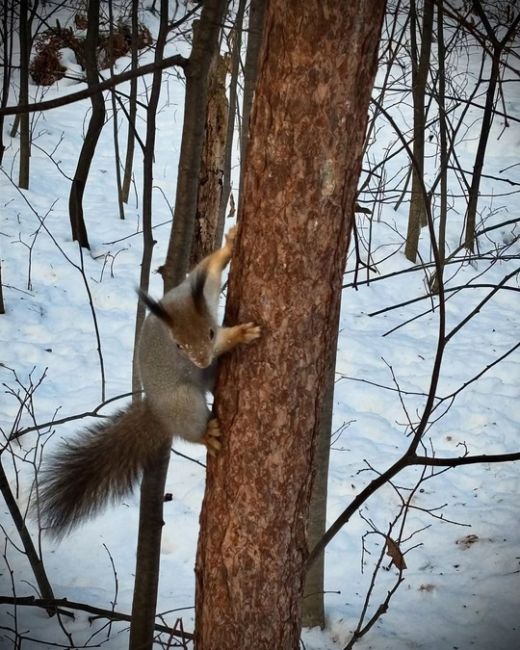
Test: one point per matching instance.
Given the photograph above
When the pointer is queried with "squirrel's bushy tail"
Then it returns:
(101, 464)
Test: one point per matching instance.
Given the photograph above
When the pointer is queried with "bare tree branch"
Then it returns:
(465, 460)
(168, 62)
(31, 601)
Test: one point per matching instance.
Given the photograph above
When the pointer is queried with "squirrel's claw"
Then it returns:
(231, 236)
(210, 438)
(249, 332)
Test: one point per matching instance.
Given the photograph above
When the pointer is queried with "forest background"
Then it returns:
(432, 545)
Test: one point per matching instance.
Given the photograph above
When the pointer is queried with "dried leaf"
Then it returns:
(466, 542)
(393, 550)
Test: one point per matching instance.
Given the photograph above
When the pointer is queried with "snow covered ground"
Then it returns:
(461, 587)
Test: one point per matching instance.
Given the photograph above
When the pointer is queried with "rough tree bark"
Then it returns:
(296, 215)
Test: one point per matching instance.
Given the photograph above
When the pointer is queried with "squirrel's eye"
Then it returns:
(211, 334)
(179, 346)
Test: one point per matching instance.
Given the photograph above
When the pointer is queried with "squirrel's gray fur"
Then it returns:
(178, 345)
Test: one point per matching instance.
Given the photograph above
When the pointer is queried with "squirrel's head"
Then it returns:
(190, 323)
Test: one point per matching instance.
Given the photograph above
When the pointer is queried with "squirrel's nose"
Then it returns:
(202, 361)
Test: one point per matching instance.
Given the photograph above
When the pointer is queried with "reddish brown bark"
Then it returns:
(316, 73)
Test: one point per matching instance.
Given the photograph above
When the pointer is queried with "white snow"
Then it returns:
(455, 594)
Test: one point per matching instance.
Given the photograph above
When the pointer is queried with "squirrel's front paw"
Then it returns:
(249, 332)
(211, 437)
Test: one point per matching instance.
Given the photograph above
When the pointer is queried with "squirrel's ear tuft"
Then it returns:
(198, 282)
(155, 307)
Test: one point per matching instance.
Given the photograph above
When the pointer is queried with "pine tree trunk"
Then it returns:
(296, 216)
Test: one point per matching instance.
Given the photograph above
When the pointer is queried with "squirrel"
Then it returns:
(177, 348)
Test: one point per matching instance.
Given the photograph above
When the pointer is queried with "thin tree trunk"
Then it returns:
(417, 211)
(16, 122)
(25, 136)
(117, 155)
(313, 605)
(254, 41)
(233, 102)
(296, 216)
(97, 120)
(154, 477)
(132, 108)
(151, 524)
(205, 43)
(443, 136)
(212, 164)
(2, 304)
(148, 160)
(44, 586)
(487, 119)
(471, 211)
(7, 51)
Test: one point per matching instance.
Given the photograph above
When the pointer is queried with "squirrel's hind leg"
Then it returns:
(184, 413)
(211, 437)
(189, 418)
